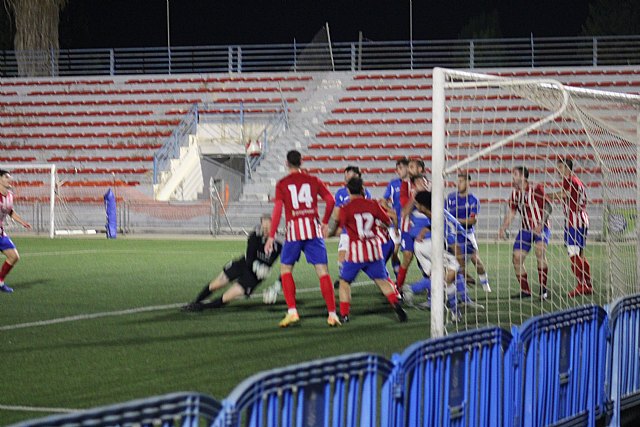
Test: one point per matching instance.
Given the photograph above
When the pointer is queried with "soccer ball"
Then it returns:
(270, 295)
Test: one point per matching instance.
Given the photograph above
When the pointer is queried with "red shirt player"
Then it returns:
(528, 200)
(574, 200)
(360, 218)
(7, 247)
(298, 193)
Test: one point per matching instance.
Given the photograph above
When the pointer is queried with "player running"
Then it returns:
(530, 201)
(465, 206)
(7, 247)
(298, 193)
(574, 201)
(246, 272)
(360, 218)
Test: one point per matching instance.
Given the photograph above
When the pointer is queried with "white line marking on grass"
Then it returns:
(137, 310)
(37, 409)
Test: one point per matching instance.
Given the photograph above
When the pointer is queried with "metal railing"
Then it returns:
(347, 56)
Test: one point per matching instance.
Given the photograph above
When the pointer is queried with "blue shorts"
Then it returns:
(314, 250)
(6, 243)
(576, 237)
(467, 244)
(387, 249)
(526, 238)
(406, 242)
(373, 269)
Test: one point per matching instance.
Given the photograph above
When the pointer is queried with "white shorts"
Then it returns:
(343, 245)
(422, 250)
(395, 235)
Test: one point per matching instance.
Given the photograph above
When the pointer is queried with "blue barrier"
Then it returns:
(176, 409)
(456, 380)
(559, 370)
(623, 364)
(340, 392)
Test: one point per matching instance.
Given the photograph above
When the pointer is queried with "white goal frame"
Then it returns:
(439, 170)
(52, 186)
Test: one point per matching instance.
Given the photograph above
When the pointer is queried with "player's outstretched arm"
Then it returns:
(17, 218)
(506, 223)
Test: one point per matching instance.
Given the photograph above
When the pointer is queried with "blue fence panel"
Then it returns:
(623, 373)
(559, 370)
(339, 392)
(453, 381)
(171, 410)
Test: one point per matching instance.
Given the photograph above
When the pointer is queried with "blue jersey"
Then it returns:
(451, 226)
(463, 207)
(342, 196)
(393, 192)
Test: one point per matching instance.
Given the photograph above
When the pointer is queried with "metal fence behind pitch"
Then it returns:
(347, 56)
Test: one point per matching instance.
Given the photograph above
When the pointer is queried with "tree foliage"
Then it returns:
(612, 17)
(36, 40)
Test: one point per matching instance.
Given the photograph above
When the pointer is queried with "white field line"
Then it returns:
(118, 313)
(112, 251)
(21, 408)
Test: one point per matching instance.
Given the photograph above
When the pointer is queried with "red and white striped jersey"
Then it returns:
(299, 193)
(530, 204)
(6, 207)
(407, 195)
(360, 217)
(575, 203)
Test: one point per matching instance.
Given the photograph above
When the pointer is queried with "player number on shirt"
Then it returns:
(300, 197)
(364, 222)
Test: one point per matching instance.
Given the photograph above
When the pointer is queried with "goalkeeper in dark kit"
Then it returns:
(245, 273)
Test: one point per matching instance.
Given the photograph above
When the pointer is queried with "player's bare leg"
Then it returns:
(482, 273)
(389, 290)
(289, 291)
(543, 268)
(342, 255)
(326, 288)
(12, 259)
(521, 273)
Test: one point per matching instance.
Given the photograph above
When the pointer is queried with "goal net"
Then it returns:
(485, 126)
(39, 199)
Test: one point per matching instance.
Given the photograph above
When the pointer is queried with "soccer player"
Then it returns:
(342, 198)
(416, 181)
(298, 193)
(392, 196)
(246, 273)
(359, 217)
(529, 200)
(464, 206)
(421, 233)
(7, 247)
(574, 200)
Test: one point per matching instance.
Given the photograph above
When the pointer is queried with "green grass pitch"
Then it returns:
(97, 361)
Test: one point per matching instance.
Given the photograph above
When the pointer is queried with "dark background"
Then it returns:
(142, 23)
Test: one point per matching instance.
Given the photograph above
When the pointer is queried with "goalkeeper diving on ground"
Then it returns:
(245, 273)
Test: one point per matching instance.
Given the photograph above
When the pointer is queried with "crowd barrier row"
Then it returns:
(567, 368)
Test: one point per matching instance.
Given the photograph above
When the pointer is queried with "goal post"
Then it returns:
(487, 125)
(39, 187)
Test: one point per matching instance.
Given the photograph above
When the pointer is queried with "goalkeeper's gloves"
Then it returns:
(261, 270)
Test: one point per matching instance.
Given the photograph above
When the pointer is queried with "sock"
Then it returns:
(451, 296)
(402, 274)
(392, 298)
(326, 287)
(543, 273)
(6, 268)
(461, 287)
(578, 269)
(394, 286)
(524, 283)
(204, 293)
(484, 278)
(587, 272)
(421, 285)
(345, 308)
(289, 290)
(216, 303)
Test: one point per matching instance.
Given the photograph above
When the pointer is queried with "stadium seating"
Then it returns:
(556, 369)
